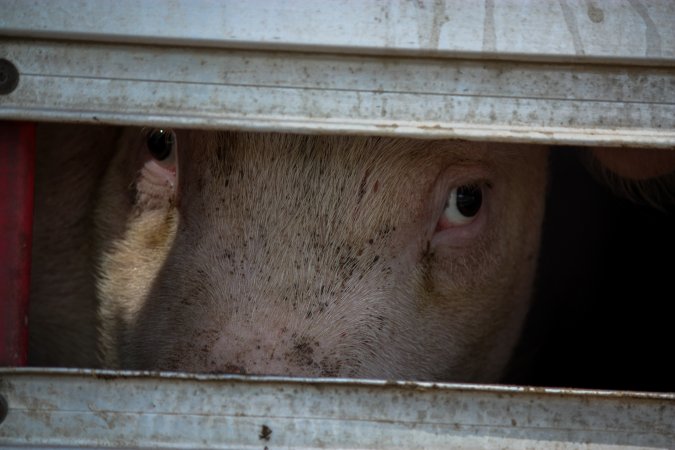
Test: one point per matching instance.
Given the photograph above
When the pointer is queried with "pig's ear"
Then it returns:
(641, 175)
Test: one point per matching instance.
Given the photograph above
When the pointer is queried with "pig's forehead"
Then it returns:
(359, 149)
(485, 151)
(246, 162)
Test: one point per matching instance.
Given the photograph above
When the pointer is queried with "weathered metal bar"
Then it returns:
(85, 409)
(608, 31)
(323, 93)
(548, 72)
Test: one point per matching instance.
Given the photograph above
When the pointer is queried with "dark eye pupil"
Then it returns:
(469, 200)
(160, 143)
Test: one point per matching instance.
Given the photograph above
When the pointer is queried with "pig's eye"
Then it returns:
(159, 169)
(161, 144)
(464, 203)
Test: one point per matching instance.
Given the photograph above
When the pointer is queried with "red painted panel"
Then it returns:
(17, 166)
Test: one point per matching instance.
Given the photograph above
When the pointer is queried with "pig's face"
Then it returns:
(316, 256)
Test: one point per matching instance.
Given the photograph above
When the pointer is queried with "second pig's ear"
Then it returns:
(636, 163)
(638, 174)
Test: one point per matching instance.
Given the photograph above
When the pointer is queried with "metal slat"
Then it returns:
(136, 410)
(625, 31)
(504, 71)
(328, 93)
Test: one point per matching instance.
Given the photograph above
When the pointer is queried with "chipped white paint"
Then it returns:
(84, 409)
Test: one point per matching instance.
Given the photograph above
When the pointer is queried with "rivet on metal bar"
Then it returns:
(3, 409)
(9, 77)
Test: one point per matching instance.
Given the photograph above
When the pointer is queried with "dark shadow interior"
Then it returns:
(604, 310)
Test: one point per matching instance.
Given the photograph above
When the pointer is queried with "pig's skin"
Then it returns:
(282, 254)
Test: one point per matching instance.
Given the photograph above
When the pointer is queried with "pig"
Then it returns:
(283, 254)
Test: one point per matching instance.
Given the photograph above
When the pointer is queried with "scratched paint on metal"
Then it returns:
(88, 409)
(569, 72)
(210, 88)
(632, 31)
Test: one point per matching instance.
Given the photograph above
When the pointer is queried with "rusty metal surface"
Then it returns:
(523, 75)
(87, 409)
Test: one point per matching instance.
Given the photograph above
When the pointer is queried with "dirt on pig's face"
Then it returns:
(316, 256)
